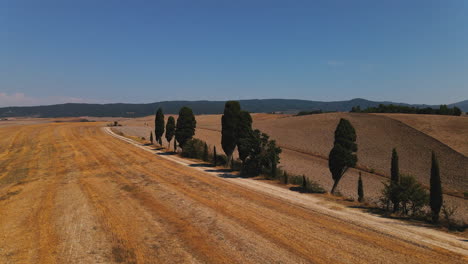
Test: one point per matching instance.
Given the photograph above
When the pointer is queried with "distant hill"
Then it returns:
(463, 105)
(199, 107)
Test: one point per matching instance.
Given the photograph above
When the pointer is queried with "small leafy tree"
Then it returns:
(360, 189)
(263, 154)
(229, 123)
(159, 125)
(185, 127)
(411, 195)
(342, 156)
(170, 130)
(436, 199)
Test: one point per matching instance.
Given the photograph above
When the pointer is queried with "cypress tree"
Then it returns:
(215, 157)
(229, 123)
(159, 125)
(185, 127)
(205, 153)
(151, 137)
(244, 134)
(273, 169)
(436, 199)
(175, 145)
(285, 177)
(342, 156)
(170, 130)
(395, 181)
(360, 189)
(395, 171)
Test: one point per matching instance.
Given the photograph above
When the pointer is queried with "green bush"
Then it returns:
(221, 160)
(193, 148)
(411, 195)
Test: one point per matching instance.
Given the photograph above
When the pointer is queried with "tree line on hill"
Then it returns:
(198, 107)
(258, 154)
(391, 108)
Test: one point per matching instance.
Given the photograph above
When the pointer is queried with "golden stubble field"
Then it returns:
(70, 193)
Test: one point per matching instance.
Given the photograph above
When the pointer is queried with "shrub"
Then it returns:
(411, 195)
(193, 148)
(307, 185)
(221, 159)
(448, 211)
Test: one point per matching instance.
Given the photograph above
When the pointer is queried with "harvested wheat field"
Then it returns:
(450, 130)
(74, 193)
(307, 140)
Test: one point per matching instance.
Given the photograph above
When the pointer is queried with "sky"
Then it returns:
(148, 51)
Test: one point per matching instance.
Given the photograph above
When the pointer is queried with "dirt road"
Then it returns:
(72, 193)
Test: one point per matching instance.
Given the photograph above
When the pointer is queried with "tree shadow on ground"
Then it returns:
(201, 165)
(157, 148)
(298, 189)
(169, 153)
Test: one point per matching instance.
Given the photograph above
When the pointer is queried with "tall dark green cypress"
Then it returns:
(395, 181)
(170, 130)
(205, 153)
(159, 125)
(151, 137)
(343, 154)
(244, 133)
(229, 123)
(185, 127)
(360, 189)
(215, 157)
(395, 170)
(436, 199)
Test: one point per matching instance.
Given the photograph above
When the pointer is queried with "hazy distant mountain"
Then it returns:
(199, 107)
(463, 105)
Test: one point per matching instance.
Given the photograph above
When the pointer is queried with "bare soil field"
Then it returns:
(307, 140)
(72, 193)
(450, 130)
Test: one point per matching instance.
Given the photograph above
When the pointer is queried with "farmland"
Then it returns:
(72, 193)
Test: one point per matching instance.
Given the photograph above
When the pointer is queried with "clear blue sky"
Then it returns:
(146, 51)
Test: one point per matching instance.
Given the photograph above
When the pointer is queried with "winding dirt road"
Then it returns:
(73, 193)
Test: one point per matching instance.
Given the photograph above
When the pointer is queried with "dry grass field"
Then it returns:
(71, 193)
(307, 140)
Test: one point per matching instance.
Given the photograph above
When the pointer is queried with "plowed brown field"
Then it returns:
(72, 193)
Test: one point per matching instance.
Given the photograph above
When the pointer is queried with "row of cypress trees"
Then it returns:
(183, 129)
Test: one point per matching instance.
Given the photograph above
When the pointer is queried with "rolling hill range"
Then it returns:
(199, 107)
